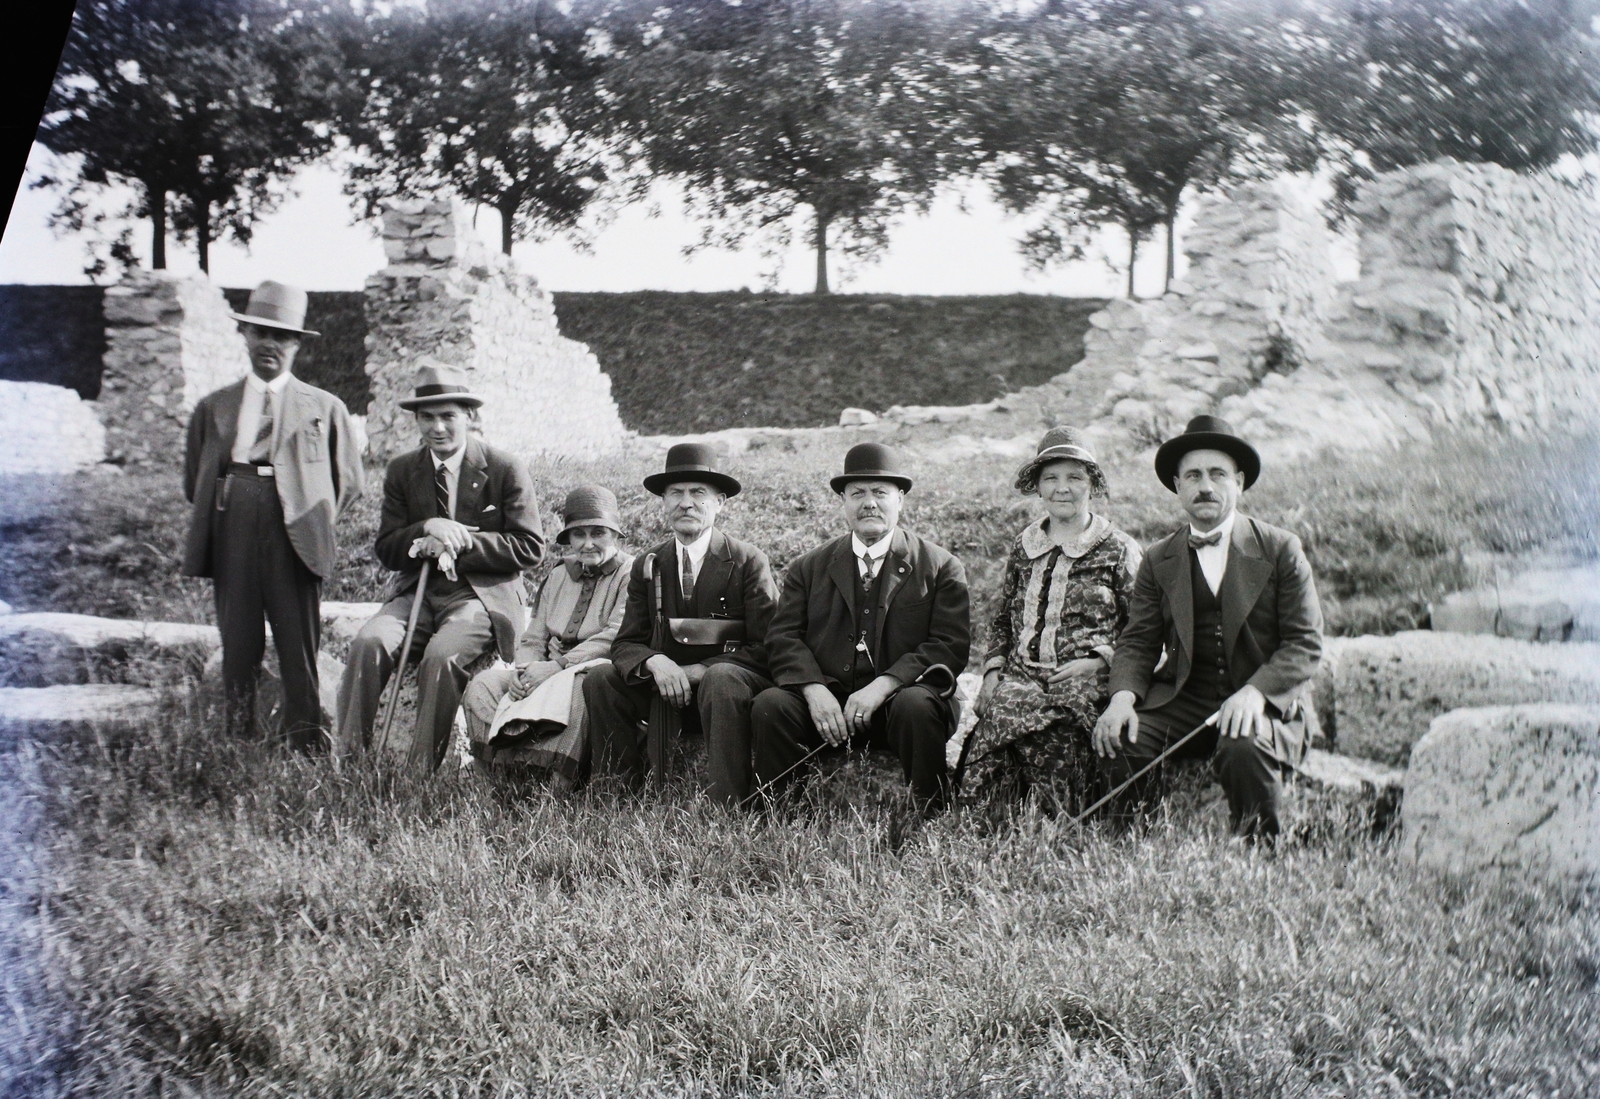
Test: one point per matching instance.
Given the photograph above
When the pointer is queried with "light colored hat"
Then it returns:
(589, 506)
(438, 383)
(1058, 444)
(276, 305)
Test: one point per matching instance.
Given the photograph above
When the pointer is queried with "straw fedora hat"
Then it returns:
(276, 305)
(437, 383)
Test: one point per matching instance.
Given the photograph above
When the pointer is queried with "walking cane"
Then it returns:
(1147, 768)
(405, 652)
(765, 789)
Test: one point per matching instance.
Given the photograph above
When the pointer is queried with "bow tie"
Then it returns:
(1197, 541)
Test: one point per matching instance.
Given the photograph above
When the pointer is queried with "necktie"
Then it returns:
(869, 567)
(441, 491)
(686, 580)
(1196, 541)
(261, 448)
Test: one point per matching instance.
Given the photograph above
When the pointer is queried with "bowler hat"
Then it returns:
(1207, 433)
(276, 305)
(691, 462)
(438, 383)
(871, 462)
(1058, 444)
(589, 506)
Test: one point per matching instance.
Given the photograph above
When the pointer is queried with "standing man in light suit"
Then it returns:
(271, 464)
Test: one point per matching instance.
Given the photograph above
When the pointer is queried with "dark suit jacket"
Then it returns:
(494, 494)
(314, 457)
(735, 582)
(923, 617)
(1271, 622)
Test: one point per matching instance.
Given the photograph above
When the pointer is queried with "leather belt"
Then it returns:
(243, 469)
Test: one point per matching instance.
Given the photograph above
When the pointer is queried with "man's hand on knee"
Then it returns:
(696, 673)
(826, 714)
(1119, 716)
(672, 682)
(1244, 714)
(859, 707)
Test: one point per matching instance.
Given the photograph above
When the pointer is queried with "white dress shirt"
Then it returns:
(875, 552)
(250, 409)
(1214, 559)
(452, 474)
(694, 553)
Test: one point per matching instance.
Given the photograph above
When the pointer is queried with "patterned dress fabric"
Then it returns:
(1059, 603)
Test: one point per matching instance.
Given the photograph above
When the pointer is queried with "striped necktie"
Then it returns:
(441, 491)
(261, 448)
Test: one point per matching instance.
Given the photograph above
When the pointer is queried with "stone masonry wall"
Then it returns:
(169, 342)
(444, 294)
(47, 429)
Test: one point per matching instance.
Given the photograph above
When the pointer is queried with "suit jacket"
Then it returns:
(923, 616)
(1271, 622)
(315, 462)
(735, 582)
(495, 494)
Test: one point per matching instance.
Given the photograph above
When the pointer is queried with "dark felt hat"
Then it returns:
(691, 462)
(1207, 433)
(871, 462)
(589, 506)
(1058, 444)
(438, 383)
(277, 305)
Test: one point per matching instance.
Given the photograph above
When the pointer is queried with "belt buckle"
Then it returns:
(263, 471)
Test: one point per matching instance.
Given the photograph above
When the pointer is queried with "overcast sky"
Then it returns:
(312, 241)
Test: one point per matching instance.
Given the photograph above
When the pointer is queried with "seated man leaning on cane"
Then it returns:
(470, 509)
(1230, 602)
(717, 596)
(871, 630)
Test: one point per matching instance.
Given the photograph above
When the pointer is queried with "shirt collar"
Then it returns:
(877, 551)
(1226, 527)
(276, 385)
(452, 463)
(604, 568)
(696, 549)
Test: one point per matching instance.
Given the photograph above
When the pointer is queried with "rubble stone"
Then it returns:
(47, 429)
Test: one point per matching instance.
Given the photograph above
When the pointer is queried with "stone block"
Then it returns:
(47, 649)
(33, 711)
(1543, 605)
(857, 417)
(1507, 786)
(1377, 695)
(47, 429)
(269, 690)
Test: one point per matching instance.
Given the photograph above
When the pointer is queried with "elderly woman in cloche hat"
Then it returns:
(1068, 583)
(580, 609)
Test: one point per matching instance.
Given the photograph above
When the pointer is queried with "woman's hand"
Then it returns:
(991, 680)
(530, 676)
(1086, 668)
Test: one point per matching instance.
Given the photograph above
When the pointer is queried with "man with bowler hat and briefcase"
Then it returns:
(1224, 620)
(716, 597)
(270, 465)
(470, 508)
(872, 629)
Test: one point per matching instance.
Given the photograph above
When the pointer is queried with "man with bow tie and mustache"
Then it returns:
(1224, 620)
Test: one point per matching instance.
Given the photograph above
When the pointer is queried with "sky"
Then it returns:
(966, 244)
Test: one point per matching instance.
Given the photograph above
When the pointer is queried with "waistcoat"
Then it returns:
(863, 670)
(1208, 675)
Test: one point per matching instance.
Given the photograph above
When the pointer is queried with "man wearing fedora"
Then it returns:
(271, 464)
(864, 626)
(717, 592)
(1224, 620)
(471, 508)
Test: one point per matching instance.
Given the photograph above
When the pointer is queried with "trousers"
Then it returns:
(722, 703)
(914, 724)
(257, 572)
(455, 629)
(1250, 771)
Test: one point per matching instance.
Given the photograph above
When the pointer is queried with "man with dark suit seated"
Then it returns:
(717, 593)
(271, 464)
(1224, 619)
(861, 621)
(471, 509)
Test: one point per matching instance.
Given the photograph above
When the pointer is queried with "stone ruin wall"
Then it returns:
(1479, 302)
(444, 294)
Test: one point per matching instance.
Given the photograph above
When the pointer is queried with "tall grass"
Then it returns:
(213, 918)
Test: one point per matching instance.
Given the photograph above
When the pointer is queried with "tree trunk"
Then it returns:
(1133, 256)
(821, 241)
(1172, 254)
(507, 224)
(156, 200)
(202, 234)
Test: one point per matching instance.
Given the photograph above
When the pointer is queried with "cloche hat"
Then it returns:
(589, 506)
(1060, 443)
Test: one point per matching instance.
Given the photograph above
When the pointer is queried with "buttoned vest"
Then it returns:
(1208, 675)
(863, 666)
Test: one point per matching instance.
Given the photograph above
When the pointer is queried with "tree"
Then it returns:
(1108, 112)
(1511, 82)
(492, 98)
(205, 108)
(770, 106)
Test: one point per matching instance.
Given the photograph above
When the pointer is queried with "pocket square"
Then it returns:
(488, 507)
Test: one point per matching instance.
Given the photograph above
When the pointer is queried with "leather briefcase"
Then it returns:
(724, 633)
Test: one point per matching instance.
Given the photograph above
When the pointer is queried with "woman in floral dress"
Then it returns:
(1065, 599)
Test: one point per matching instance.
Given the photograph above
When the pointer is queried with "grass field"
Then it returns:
(183, 916)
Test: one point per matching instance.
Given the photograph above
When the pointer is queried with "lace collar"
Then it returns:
(1036, 540)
